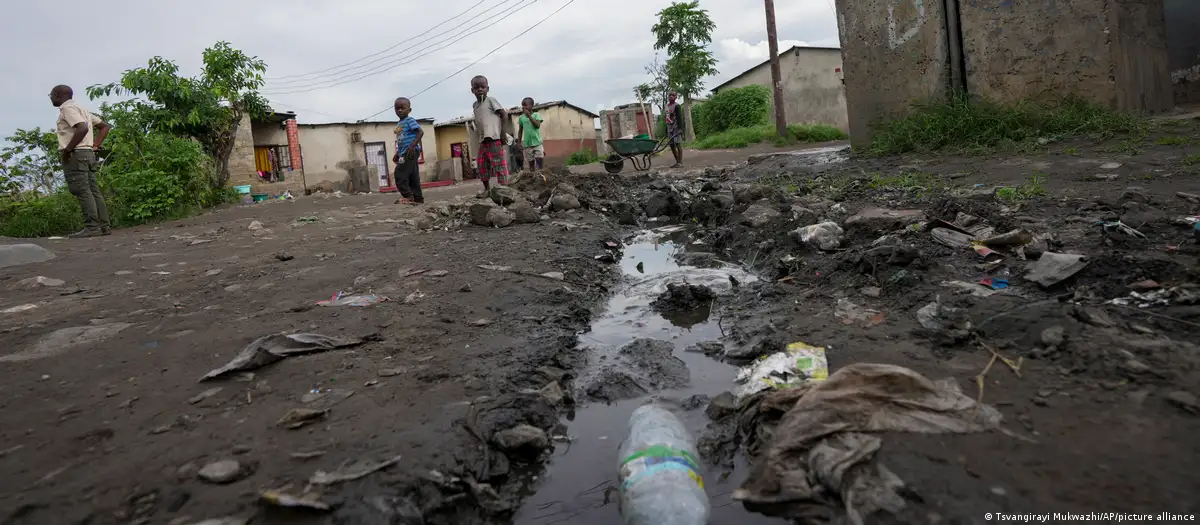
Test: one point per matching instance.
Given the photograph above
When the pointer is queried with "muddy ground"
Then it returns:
(516, 356)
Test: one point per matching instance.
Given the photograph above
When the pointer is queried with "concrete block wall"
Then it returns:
(1110, 51)
(242, 169)
(894, 53)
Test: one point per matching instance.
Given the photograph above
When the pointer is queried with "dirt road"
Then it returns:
(494, 384)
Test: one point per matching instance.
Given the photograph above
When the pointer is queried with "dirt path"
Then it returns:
(498, 375)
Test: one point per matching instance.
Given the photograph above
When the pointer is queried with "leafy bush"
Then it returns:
(155, 175)
(583, 156)
(54, 214)
(701, 120)
(962, 125)
(742, 137)
(742, 107)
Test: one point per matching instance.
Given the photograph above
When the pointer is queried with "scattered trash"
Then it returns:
(281, 499)
(824, 444)
(350, 472)
(298, 417)
(389, 372)
(18, 308)
(993, 283)
(641, 267)
(269, 349)
(1112, 226)
(438, 273)
(213, 272)
(482, 322)
(659, 472)
(851, 313)
(414, 297)
(1052, 268)
(308, 219)
(255, 225)
(796, 365)
(409, 272)
(606, 258)
(496, 268)
(340, 299)
(971, 288)
(557, 276)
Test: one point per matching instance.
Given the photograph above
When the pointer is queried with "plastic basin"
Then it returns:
(242, 190)
(259, 197)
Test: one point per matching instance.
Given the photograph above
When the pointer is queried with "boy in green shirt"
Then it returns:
(531, 135)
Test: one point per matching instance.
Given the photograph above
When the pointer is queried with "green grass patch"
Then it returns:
(1034, 186)
(907, 182)
(963, 126)
(1173, 140)
(1191, 160)
(55, 214)
(1071, 150)
(743, 137)
(583, 156)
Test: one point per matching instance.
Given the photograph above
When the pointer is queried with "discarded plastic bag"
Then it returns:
(350, 472)
(266, 350)
(366, 299)
(821, 459)
(796, 365)
(1053, 268)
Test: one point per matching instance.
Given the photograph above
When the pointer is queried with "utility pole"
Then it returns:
(776, 76)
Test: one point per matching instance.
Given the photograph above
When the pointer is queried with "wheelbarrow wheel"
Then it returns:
(614, 164)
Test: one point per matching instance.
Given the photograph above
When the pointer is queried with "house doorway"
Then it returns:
(375, 157)
(463, 153)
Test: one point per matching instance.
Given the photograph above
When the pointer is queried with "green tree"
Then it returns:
(30, 163)
(684, 30)
(208, 107)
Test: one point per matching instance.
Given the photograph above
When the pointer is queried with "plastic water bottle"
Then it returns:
(660, 472)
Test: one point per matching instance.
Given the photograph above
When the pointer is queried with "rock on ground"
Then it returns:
(500, 217)
(759, 215)
(824, 236)
(882, 220)
(564, 202)
(683, 297)
(479, 213)
(524, 213)
(221, 472)
(522, 438)
(504, 195)
(17, 254)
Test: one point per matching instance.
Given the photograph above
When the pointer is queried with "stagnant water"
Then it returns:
(579, 486)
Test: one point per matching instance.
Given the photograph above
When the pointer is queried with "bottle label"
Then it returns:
(655, 459)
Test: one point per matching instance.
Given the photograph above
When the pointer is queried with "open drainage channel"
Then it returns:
(579, 486)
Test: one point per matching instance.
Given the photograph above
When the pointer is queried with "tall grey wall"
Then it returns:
(812, 86)
(1183, 48)
(894, 53)
(1111, 51)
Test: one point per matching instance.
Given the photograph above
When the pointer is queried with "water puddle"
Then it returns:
(579, 486)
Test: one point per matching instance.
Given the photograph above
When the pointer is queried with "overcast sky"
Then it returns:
(591, 53)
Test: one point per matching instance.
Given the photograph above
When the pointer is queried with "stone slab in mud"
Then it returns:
(23, 253)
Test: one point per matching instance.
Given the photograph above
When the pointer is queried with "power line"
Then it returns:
(412, 57)
(397, 44)
(356, 69)
(480, 59)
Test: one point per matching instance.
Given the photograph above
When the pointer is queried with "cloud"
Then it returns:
(591, 53)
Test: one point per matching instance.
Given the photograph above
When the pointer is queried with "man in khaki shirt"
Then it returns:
(80, 133)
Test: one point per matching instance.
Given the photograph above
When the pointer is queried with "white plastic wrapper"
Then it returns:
(798, 364)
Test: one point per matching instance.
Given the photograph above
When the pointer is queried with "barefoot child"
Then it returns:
(531, 135)
(408, 153)
(490, 122)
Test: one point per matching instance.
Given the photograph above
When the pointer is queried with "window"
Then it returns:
(284, 157)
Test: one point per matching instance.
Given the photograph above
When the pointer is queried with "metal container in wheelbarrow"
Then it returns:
(638, 151)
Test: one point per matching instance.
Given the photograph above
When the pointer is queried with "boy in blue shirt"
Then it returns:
(408, 152)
